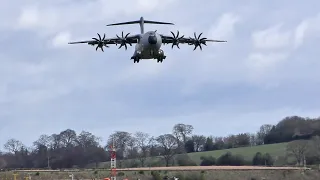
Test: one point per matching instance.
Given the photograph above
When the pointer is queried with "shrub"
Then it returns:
(260, 159)
(193, 176)
(121, 174)
(229, 159)
(155, 175)
(268, 159)
(184, 160)
(207, 161)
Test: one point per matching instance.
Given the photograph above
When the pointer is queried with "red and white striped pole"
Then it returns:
(113, 161)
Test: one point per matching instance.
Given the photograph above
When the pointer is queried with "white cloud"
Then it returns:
(308, 27)
(275, 37)
(36, 18)
(300, 34)
(271, 38)
(205, 71)
(262, 61)
(225, 26)
(61, 39)
(29, 17)
(50, 17)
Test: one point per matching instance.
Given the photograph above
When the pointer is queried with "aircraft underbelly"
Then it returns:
(149, 52)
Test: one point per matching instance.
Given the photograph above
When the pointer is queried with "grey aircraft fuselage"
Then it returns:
(148, 47)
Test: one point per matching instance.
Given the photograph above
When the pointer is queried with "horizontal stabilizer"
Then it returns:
(123, 23)
(141, 21)
(156, 22)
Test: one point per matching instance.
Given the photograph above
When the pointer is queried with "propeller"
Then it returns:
(124, 41)
(176, 39)
(100, 42)
(196, 41)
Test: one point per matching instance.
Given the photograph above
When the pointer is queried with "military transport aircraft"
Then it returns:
(147, 44)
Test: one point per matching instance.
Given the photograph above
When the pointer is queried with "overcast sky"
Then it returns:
(268, 69)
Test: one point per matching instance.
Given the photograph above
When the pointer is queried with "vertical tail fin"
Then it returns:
(141, 22)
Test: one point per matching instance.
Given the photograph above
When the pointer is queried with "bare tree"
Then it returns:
(199, 141)
(143, 141)
(298, 149)
(132, 149)
(167, 143)
(44, 140)
(55, 141)
(86, 139)
(43, 143)
(68, 137)
(253, 140)
(13, 145)
(3, 163)
(243, 139)
(181, 131)
(231, 141)
(263, 132)
(315, 146)
(121, 140)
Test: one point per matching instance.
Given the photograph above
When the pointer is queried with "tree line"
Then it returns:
(68, 149)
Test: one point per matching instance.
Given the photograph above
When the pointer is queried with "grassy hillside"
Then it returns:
(275, 150)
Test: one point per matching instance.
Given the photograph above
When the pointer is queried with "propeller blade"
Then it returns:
(104, 36)
(200, 47)
(97, 48)
(177, 33)
(195, 47)
(199, 35)
(127, 35)
(99, 36)
(203, 39)
(172, 34)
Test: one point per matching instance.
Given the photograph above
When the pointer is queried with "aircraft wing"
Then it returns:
(102, 41)
(196, 40)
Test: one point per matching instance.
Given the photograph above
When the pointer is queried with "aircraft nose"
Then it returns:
(152, 39)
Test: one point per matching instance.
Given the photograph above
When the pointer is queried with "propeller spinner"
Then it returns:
(100, 42)
(196, 41)
(124, 41)
(176, 39)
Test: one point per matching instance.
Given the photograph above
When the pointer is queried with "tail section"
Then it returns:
(141, 22)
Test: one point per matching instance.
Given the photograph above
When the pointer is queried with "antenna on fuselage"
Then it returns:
(141, 22)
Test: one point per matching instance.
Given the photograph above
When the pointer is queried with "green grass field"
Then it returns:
(183, 175)
(277, 151)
